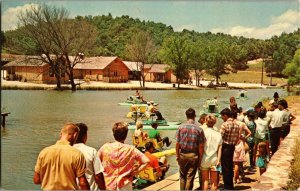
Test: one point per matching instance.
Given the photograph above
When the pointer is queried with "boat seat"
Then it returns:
(211, 108)
(148, 174)
(157, 145)
(138, 141)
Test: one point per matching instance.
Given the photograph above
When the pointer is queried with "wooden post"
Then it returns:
(3, 115)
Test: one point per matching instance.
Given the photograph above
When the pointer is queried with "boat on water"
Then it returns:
(211, 107)
(162, 125)
(133, 100)
(242, 95)
(148, 176)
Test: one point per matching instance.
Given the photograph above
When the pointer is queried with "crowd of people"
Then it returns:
(253, 135)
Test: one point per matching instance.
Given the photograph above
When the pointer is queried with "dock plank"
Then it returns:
(160, 185)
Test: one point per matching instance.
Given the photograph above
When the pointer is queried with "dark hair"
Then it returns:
(120, 130)
(190, 113)
(234, 114)
(284, 103)
(258, 105)
(149, 145)
(262, 113)
(82, 132)
(275, 95)
(154, 125)
(251, 115)
(227, 112)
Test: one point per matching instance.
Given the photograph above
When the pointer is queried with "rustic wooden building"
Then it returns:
(134, 72)
(160, 73)
(32, 69)
(107, 69)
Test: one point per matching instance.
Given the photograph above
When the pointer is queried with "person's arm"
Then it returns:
(99, 178)
(36, 178)
(83, 183)
(177, 151)
(219, 155)
(292, 117)
(248, 132)
(201, 151)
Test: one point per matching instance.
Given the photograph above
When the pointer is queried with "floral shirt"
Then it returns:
(118, 160)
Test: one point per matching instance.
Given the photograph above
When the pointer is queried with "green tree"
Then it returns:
(219, 56)
(58, 40)
(198, 59)
(141, 50)
(176, 52)
(292, 70)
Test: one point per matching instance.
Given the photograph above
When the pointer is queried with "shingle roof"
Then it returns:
(95, 62)
(157, 68)
(27, 61)
(132, 66)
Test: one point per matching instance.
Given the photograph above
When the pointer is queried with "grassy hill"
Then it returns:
(251, 75)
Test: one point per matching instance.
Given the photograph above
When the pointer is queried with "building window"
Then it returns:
(115, 73)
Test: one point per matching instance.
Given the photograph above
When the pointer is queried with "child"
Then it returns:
(250, 140)
(262, 158)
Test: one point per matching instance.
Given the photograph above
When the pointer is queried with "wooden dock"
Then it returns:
(171, 183)
(3, 115)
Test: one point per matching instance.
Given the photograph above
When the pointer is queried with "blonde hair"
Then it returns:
(210, 120)
(70, 128)
(139, 125)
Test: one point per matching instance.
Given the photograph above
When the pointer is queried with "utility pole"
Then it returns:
(262, 72)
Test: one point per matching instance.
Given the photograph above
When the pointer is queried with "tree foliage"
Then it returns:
(142, 50)
(292, 69)
(48, 32)
(176, 51)
(105, 35)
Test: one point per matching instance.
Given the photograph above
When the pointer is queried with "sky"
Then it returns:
(260, 19)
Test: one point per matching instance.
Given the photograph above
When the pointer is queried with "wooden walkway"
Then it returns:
(172, 182)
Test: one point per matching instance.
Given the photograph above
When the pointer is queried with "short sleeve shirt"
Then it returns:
(153, 133)
(189, 136)
(59, 165)
(93, 164)
(118, 160)
(230, 132)
(153, 161)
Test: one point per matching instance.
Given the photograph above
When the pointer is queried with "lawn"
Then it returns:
(251, 75)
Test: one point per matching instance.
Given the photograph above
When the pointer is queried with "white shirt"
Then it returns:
(286, 117)
(261, 128)
(93, 164)
(276, 118)
(213, 140)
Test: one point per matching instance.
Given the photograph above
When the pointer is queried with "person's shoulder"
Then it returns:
(84, 147)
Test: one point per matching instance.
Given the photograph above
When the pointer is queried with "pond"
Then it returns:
(37, 117)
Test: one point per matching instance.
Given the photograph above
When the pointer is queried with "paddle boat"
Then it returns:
(133, 100)
(149, 176)
(242, 95)
(162, 125)
(211, 107)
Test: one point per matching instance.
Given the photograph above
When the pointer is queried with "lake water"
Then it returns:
(37, 117)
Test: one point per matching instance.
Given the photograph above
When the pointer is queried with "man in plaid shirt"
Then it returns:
(230, 132)
(189, 149)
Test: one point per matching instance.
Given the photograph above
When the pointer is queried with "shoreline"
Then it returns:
(131, 85)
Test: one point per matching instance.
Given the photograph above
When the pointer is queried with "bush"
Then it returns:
(294, 175)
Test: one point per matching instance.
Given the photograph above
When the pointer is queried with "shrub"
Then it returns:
(294, 175)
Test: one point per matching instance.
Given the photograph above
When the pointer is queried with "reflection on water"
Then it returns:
(37, 117)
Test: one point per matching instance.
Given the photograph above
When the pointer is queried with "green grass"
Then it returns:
(251, 75)
(294, 175)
